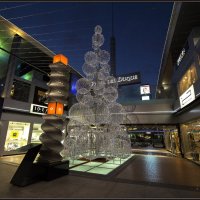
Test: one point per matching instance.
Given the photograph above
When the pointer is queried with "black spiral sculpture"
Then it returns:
(54, 124)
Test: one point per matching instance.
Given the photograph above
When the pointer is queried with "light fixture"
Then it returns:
(52, 136)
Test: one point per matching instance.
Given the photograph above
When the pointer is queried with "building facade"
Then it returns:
(180, 74)
(24, 69)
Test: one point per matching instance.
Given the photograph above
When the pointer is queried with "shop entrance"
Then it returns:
(147, 139)
(154, 137)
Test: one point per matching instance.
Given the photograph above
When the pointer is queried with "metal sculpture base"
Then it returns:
(29, 172)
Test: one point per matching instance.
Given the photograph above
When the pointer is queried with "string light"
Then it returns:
(94, 129)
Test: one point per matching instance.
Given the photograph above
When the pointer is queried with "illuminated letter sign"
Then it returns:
(127, 79)
(182, 54)
(37, 109)
(187, 97)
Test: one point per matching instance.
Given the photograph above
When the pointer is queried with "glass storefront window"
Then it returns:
(172, 142)
(37, 131)
(189, 78)
(17, 88)
(22, 69)
(190, 134)
(17, 135)
(4, 57)
(39, 96)
(6, 41)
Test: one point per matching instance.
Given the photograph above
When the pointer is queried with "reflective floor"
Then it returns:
(144, 176)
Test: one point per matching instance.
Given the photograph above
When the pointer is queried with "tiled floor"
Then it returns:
(145, 176)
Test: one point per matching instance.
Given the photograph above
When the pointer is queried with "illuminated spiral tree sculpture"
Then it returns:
(94, 129)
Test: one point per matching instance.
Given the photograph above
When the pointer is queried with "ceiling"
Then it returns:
(28, 50)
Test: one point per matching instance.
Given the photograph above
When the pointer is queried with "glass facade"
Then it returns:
(39, 96)
(4, 57)
(190, 135)
(6, 41)
(17, 88)
(24, 71)
(189, 78)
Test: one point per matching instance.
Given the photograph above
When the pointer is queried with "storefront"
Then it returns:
(151, 136)
(23, 85)
(190, 135)
(172, 140)
(18, 131)
(17, 135)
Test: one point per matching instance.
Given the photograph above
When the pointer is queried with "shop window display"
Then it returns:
(37, 131)
(172, 142)
(17, 135)
(191, 140)
(189, 78)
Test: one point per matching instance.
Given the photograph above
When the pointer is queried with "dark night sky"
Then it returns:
(139, 27)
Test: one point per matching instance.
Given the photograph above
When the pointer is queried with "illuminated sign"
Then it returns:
(187, 97)
(38, 109)
(126, 79)
(146, 97)
(145, 89)
(55, 108)
(182, 54)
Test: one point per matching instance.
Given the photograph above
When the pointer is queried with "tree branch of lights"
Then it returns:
(94, 129)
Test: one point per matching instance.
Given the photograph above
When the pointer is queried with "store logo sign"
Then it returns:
(126, 79)
(38, 109)
(182, 54)
(187, 97)
(145, 89)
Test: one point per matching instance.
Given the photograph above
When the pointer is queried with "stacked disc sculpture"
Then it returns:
(94, 129)
(54, 122)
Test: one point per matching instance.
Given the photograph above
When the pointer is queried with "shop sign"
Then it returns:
(127, 79)
(38, 109)
(182, 54)
(187, 97)
(145, 97)
(145, 89)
